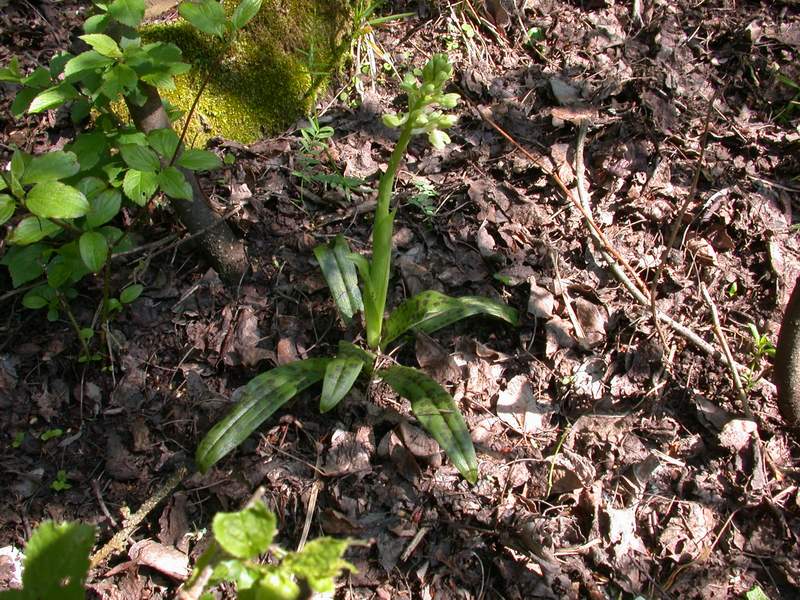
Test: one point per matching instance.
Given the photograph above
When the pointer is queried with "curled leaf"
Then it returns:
(340, 273)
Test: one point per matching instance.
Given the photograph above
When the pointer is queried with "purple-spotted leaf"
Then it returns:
(340, 273)
(340, 375)
(432, 310)
(259, 399)
(437, 413)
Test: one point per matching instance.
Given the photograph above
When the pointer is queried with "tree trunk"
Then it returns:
(217, 242)
(787, 360)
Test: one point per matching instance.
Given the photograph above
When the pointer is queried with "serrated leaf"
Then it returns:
(163, 141)
(131, 293)
(139, 186)
(94, 250)
(7, 207)
(52, 98)
(259, 399)
(139, 157)
(51, 167)
(244, 13)
(102, 44)
(206, 15)
(340, 273)
(173, 183)
(432, 310)
(340, 375)
(57, 561)
(127, 12)
(103, 207)
(56, 200)
(91, 60)
(438, 414)
(198, 160)
(245, 534)
(319, 563)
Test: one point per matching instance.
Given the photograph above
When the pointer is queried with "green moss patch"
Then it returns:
(266, 81)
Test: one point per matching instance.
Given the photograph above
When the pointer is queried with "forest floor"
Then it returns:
(611, 464)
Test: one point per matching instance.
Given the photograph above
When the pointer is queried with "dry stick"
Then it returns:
(737, 382)
(117, 543)
(312, 505)
(676, 224)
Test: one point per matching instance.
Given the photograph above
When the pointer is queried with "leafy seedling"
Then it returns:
(426, 312)
(60, 482)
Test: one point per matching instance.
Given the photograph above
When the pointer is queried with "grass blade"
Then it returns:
(438, 414)
(261, 397)
(340, 375)
(432, 310)
(340, 273)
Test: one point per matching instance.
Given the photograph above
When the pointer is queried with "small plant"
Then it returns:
(62, 204)
(241, 538)
(51, 433)
(56, 563)
(60, 482)
(424, 198)
(426, 312)
(788, 111)
(761, 349)
(17, 440)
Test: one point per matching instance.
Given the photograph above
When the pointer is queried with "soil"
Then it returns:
(614, 463)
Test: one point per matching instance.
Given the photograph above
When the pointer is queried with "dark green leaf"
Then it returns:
(90, 60)
(103, 207)
(319, 562)
(131, 293)
(52, 98)
(261, 397)
(139, 186)
(56, 200)
(19, 161)
(199, 160)
(94, 250)
(102, 44)
(57, 64)
(40, 78)
(91, 186)
(34, 300)
(348, 350)
(127, 12)
(163, 141)
(89, 147)
(245, 12)
(206, 15)
(245, 534)
(22, 101)
(139, 157)
(24, 263)
(7, 207)
(57, 561)
(51, 167)
(438, 414)
(174, 184)
(340, 273)
(96, 23)
(432, 310)
(340, 375)
(119, 79)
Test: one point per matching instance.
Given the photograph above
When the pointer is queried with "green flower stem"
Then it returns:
(382, 235)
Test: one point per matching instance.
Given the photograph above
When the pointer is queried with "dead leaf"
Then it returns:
(688, 532)
(517, 407)
(737, 434)
(350, 452)
(164, 559)
(540, 301)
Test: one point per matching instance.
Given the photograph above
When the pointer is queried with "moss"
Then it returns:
(265, 82)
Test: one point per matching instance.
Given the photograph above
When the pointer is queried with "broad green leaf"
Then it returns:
(199, 160)
(103, 207)
(119, 79)
(56, 200)
(259, 399)
(11, 73)
(52, 98)
(40, 78)
(24, 263)
(57, 64)
(22, 101)
(245, 534)
(139, 157)
(245, 11)
(340, 273)
(319, 563)
(163, 141)
(57, 561)
(102, 44)
(89, 147)
(51, 167)
(34, 300)
(131, 293)
(96, 23)
(756, 594)
(65, 267)
(348, 350)
(139, 186)
(91, 186)
(19, 161)
(127, 12)
(206, 15)
(438, 414)
(91, 60)
(432, 310)
(7, 207)
(94, 250)
(340, 375)
(174, 184)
